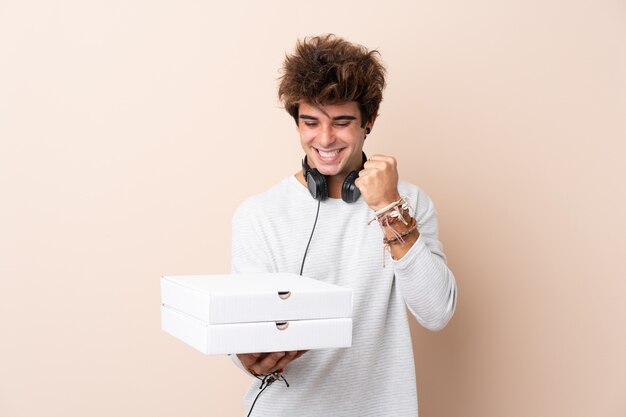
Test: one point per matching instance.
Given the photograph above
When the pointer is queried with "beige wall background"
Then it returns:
(131, 130)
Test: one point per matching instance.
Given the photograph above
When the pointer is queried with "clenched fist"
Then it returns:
(378, 181)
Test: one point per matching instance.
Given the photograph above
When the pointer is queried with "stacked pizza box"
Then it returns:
(249, 313)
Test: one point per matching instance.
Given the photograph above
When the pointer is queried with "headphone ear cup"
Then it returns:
(316, 183)
(349, 191)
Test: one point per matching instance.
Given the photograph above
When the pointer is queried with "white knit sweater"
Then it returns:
(376, 376)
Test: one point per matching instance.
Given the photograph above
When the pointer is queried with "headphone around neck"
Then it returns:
(318, 185)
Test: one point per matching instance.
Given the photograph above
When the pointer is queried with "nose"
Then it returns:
(326, 136)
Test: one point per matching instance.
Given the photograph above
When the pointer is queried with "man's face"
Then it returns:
(332, 137)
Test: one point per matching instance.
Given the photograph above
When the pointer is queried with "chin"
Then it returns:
(329, 171)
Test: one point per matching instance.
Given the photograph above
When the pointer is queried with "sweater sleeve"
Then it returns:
(422, 275)
(248, 252)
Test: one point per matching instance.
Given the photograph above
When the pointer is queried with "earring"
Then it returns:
(367, 130)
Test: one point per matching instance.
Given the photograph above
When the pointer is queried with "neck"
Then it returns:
(334, 185)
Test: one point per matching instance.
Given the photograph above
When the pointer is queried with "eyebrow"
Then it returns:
(342, 117)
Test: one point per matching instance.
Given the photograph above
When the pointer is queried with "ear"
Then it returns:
(371, 121)
(370, 124)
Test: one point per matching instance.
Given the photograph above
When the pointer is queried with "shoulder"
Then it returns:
(260, 201)
(272, 201)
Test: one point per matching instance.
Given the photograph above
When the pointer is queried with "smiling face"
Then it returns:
(332, 137)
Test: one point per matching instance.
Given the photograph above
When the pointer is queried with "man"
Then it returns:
(333, 89)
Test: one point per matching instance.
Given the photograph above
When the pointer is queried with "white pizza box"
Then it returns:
(219, 339)
(245, 298)
(247, 313)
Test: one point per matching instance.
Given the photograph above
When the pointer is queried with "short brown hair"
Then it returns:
(327, 69)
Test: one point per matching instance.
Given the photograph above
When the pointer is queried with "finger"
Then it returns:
(369, 165)
(266, 365)
(364, 182)
(385, 158)
(247, 359)
(366, 179)
(381, 163)
(370, 170)
(375, 168)
(258, 357)
(282, 363)
(367, 172)
(300, 353)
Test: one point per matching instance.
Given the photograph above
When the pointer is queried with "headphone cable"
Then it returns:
(267, 380)
(319, 202)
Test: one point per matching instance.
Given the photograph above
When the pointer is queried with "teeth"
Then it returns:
(328, 154)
